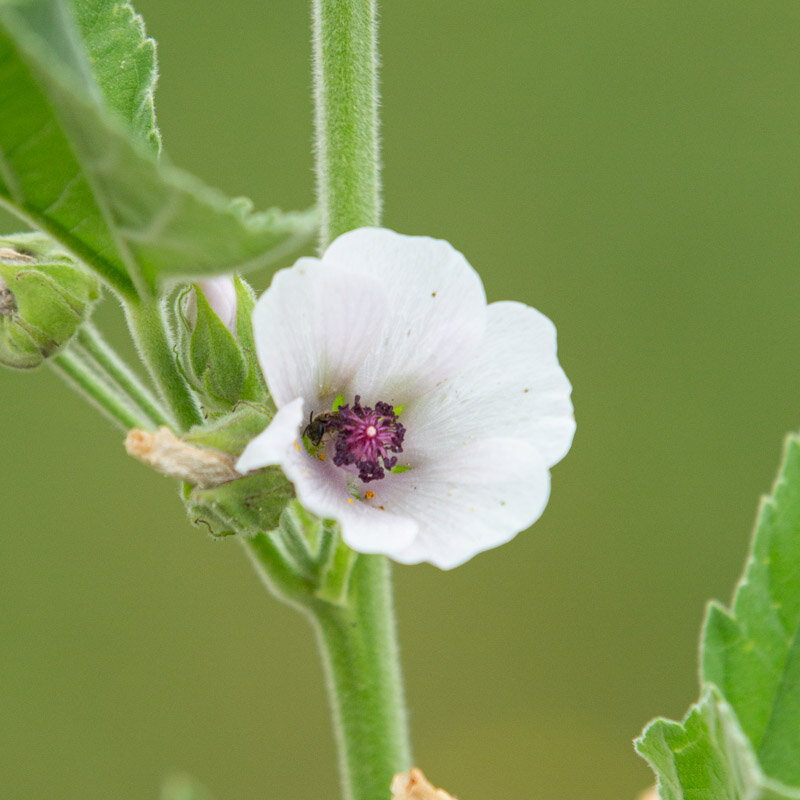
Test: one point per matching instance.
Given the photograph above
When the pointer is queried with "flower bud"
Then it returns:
(44, 297)
(215, 343)
(221, 296)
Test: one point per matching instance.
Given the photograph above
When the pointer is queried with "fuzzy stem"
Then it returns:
(356, 635)
(118, 371)
(149, 330)
(358, 643)
(346, 115)
(79, 374)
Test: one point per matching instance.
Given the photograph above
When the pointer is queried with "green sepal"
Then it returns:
(253, 388)
(232, 432)
(214, 355)
(247, 506)
(250, 504)
(44, 297)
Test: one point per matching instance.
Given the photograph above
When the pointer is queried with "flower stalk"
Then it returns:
(359, 649)
(117, 371)
(149, 331)
(356, 636)
(80, 373)
(346, 115)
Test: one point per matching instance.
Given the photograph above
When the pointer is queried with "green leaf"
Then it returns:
(752, 653)
(707, 757)
(122, 59)
(70, 166)
(742, 739)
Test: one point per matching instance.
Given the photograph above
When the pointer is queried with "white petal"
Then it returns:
(274, 444)
(221, 295)
(435, 319)
(512, 386)
(322, 489)
(475, 499)
(313, 329)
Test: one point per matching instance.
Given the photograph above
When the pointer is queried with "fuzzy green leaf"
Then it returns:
(752, 653)
(122, 59)
(707, 757)
(742, 739)
(75, 162)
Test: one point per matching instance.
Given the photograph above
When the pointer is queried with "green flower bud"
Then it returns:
(215, 343)
(250, 504)
(44, 297)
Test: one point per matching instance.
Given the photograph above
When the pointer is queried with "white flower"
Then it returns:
(468, 399)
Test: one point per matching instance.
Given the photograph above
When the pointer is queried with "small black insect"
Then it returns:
(318, 424)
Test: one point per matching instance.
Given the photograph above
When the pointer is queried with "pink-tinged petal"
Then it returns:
(313, 329)
(435, 319)
(277, 441)
(221, 295)
(472, 500)
(327, 491)
(512, 386)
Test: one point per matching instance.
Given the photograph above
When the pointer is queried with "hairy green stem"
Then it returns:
(77, 371)
(353, 613)
(346, 115)
(117, 370)
(153, 341)
(359, 648)
(275, 568)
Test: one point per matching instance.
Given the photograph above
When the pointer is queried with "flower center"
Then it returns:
(365, 437)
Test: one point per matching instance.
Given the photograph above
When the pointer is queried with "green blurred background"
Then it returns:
(629, 168)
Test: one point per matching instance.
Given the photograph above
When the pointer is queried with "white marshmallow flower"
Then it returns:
(420, 418)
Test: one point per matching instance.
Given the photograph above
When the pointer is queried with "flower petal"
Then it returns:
(475, 499)
(322, 489)
(436, 317)
(274, 444)
(313, 329)
(511, 386)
